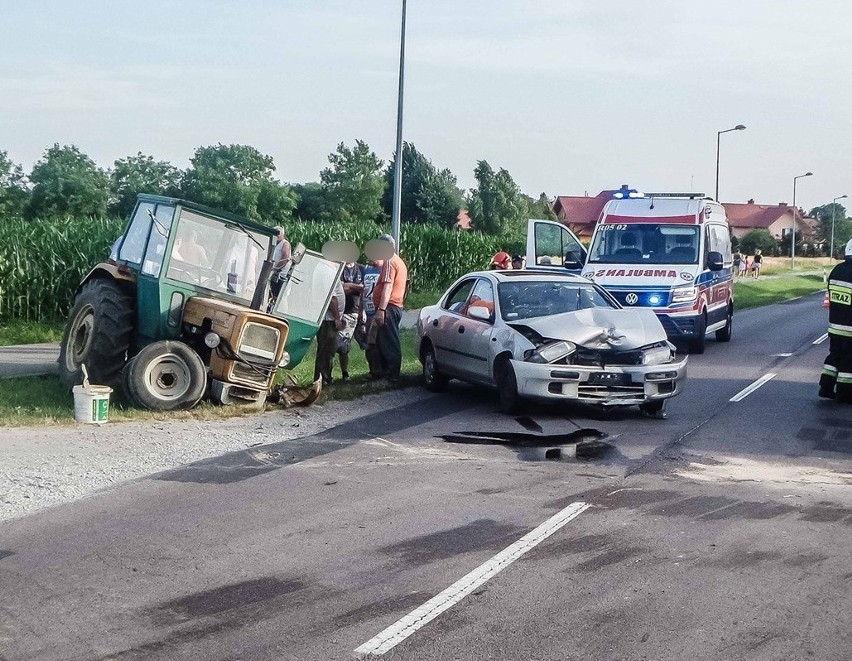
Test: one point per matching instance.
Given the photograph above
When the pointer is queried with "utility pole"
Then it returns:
(397, 166)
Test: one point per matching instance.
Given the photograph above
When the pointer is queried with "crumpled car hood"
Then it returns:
(600, 328)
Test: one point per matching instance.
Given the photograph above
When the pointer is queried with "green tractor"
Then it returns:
(181, 310)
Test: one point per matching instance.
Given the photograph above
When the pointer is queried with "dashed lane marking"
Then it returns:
(421, 616)
(745, 392)
(822, 338)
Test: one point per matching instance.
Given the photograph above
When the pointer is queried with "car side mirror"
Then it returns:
(572, 260)
(479, 312)
(715, 261)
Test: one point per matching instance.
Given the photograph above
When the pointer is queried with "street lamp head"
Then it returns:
(739, 127)
(809, 174)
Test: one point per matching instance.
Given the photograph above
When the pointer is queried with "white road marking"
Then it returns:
(781, 355)
(745, 392)
(821, 339)
(424, 614)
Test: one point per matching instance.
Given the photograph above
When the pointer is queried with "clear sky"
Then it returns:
(568, 96)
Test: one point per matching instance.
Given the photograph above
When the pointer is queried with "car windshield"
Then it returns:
(217, 255)
(543, 298)
(645, 243)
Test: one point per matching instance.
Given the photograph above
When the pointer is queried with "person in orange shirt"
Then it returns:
(388, 296)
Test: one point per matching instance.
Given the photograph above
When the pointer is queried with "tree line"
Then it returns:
(356, 186)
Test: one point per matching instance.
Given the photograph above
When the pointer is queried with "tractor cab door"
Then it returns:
(304, 299)
(143, 249)
(553, 247)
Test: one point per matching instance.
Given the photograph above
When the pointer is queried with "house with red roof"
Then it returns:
(777, 218)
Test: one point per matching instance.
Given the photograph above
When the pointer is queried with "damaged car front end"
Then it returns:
(598, 356)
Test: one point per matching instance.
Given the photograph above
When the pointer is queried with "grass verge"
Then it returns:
(750, 293)
(43, 400)
(30, 332)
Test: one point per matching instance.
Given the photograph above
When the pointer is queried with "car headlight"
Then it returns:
(552, 352)
(684, 294)
(657, 354)
(285, 360)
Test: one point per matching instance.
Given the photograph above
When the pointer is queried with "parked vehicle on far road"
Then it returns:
(549, 336)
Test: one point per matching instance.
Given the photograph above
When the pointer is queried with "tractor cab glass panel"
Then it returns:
(307, 292)
(215, 255)
(645, 243)
(136, 236)
(158, 236)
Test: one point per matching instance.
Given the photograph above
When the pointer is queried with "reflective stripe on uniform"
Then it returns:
(844, 377)
(841, 284)
(829, 370)
(840, 329)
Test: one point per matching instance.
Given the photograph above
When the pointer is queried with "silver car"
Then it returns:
(548, 336)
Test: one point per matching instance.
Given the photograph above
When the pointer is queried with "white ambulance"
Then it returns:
(670, 252)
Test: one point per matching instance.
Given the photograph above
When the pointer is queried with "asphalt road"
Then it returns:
(720, 533)
(29, 360)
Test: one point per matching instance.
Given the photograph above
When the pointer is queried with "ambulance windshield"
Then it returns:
(645, 243)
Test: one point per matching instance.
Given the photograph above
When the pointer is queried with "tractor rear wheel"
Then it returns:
(98, 334)
(165, 376)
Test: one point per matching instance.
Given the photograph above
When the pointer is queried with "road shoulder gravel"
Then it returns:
(45, 466)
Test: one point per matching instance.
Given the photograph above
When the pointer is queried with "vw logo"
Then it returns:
(631, 299)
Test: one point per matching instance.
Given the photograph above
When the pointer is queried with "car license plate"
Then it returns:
(609, 379)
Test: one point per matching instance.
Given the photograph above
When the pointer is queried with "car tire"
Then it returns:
(654, 409)
(165, 376)
(433, 379)
(97, 335)
(699, 342)
(507, 388)
(724, 334)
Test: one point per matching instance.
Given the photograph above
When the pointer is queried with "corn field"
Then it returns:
(43, 261)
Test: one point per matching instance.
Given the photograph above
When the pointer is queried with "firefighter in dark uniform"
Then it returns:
(836, 379)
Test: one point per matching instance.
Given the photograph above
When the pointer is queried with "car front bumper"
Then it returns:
(607, 386)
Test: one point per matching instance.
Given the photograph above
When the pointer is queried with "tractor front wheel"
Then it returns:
(98, 334)
(165, 376)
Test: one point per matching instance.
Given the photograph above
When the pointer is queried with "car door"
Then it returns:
(444, 331)
(550, 245)
(473, 333)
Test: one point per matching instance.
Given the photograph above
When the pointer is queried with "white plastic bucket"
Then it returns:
(91, 404)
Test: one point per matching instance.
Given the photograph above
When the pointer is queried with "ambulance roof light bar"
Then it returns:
(622, 195)
(691, 196)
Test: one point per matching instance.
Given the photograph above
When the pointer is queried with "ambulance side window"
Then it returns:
(719, 240)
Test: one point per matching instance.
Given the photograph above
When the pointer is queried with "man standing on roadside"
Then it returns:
(388, 298)
(837, 370)
(281, 255)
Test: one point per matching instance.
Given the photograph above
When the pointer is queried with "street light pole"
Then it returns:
(738, 127)
(397, 166)
(833, 214)
(793, 232)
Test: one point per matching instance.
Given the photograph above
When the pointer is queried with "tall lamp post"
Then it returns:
(833, 214)
(738, 127)
(397, 167)
(793, 233)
